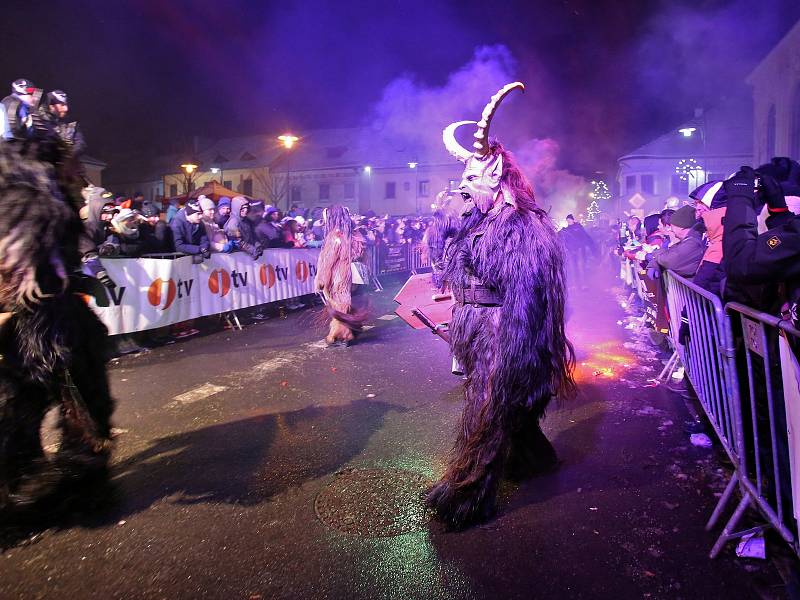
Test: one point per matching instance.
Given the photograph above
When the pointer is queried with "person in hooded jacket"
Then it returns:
(711, 271)
(216, 236)
(240, 229)
(223, 212)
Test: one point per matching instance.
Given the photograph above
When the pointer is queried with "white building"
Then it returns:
(776, 100)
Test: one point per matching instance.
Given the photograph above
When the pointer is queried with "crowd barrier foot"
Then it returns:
(378, 285)
(233, 320)
(729, 533)
(670, 367)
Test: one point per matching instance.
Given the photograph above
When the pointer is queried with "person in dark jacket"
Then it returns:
(223, 212)
(579, 246)
(268, 231)
(155, 234)
(683, 257)
(67, 129)
(188, 233)
(773, 256)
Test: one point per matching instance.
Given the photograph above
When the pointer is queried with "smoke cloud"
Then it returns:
(415, 114)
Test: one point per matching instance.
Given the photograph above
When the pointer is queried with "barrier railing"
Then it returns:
(396, 258)
(742, 367)
(766, 349)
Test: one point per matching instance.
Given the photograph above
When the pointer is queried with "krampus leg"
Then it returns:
(467, 492)
(338, 332)
(88, 374)
(531, 452)
(22, 409)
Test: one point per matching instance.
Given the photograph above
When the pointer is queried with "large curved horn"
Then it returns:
(453, 147)
(481, 144)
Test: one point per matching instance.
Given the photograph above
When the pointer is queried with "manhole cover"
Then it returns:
(374, 502)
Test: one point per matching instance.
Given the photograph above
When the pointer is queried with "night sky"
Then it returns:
(144, 75)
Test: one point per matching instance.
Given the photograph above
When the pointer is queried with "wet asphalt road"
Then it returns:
(230, 444)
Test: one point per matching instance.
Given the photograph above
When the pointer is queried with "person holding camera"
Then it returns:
(773, 256)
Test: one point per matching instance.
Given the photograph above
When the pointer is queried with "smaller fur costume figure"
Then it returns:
(52, 346)
(341, 247)
(505, 269)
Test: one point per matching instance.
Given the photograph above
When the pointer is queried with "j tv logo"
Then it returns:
(163, 292)
(220, 281)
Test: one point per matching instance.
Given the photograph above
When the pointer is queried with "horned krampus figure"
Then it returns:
(52, 346)
(342, 246)
(505, 269)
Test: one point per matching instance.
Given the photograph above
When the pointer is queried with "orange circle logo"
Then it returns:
(219, 282)
(154, 293)
(301, 270)
(267, 275)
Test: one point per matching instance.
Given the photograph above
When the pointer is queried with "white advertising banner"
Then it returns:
(154, 292)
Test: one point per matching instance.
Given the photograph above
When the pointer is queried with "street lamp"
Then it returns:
(189, 173)
(288, 141)
(367, 170)
(687, 131)
(218, 170)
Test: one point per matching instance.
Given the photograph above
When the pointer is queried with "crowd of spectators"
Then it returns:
(739, 239)
(134, 227)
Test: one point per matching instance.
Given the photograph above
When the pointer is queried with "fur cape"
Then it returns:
(516, 356)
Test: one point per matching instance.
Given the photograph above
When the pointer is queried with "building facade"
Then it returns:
(776, 100)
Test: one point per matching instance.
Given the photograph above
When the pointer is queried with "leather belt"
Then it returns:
(478, 295)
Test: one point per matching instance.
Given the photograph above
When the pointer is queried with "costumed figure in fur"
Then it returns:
(505, 268)
(52, 346)
(341, 247)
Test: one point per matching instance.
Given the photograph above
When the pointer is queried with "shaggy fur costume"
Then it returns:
(335, 277)
(516, 356)
(52, 346)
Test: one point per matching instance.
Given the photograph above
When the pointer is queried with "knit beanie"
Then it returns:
(224, 201)
(205, 202)
(192, 207)
(684, 217)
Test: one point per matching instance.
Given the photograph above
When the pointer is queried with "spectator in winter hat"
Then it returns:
(216, 236)
(268, 231)
(683, 257)
(240, 229)
(155, 234)
(223, 211)
(188, 232)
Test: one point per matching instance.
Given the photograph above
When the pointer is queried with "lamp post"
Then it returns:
(189, 173)
(288, 141)
(413, 166)
(218, 171)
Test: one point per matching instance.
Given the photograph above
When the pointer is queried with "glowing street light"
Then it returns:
(288, 140)
(412, 165)
(367, 170)
(189, 173)
(687, 131)
(189, 168)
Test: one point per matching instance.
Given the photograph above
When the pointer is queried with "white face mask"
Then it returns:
(480, 183)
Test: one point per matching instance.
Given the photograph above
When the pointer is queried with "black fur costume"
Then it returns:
(52, 346)
(505, 269)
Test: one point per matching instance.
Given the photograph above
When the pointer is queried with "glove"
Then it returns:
(258, 251)
(206, 253)
(654, 272)
(742, 185)
(103, 278)
(772, 194)
(205, 247)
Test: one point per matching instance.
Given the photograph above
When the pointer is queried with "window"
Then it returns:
(349, 191)
(770, 133)
(228, 184)
(648, 184)
(406, 186)
(391, 190)
(680, 187)
(173, 190)
(296, 195)
(424, 188)
(247, 187)
(630, 184)
(324, 191)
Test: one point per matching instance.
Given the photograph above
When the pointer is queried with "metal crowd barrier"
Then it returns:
(766, 347)
(734, 357)
(396, 258)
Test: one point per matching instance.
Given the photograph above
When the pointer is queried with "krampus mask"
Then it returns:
(481, 183)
